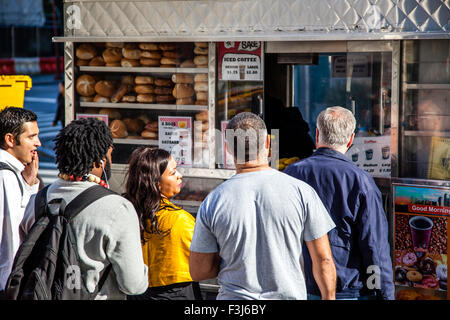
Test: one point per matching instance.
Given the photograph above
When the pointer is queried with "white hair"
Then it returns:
(335, 125)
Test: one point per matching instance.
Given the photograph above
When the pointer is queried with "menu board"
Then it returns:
(372, 154)
(175, 136)
(240, 60)
(421, 215)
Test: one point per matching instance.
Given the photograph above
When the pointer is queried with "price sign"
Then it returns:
(240, 61)
(175, 136)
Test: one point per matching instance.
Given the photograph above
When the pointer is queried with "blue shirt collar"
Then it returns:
(331, 153)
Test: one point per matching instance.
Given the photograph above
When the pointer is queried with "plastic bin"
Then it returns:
(12, 90)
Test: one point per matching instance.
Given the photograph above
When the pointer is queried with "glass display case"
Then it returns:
(425, 135)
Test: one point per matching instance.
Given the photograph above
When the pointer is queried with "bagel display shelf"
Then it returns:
(147, 106)
(143, 69)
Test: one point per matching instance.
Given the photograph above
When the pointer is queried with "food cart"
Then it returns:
(171, 73)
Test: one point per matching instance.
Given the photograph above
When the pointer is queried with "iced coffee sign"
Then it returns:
(240, 60)
(175, 136)
(372, 154)
(421, 216)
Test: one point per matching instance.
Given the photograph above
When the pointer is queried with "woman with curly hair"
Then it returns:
(166, 230)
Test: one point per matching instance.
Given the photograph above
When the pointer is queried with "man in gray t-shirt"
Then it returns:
(249, 231)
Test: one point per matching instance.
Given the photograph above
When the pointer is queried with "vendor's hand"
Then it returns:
(30, 172)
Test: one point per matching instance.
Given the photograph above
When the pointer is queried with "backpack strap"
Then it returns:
(40, 203)
(5, 166)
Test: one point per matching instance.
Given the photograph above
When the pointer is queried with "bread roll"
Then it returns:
(149, 135)
(118, 129)
(131, 51)
(105, 88)
(165, 99)
(170, 61)
(129, 63)
(144, 88)
(81, 62)
(171, 54)
(201, 86)
(187, 64)
(148, 46)
(202, 95)
(202, 66)
(163, 82)
(129, 98)
(144, 118)
(185, 101)
(200, 50)
(201, 102)
(163, 90)
(183, 90)
(201, 44)
(112, 55)
(202, 116)
(149, 62)
(117, 96)
(86, 99)
(111, 113)
(86, 51)
(182, 78)
(85, 85)
(143, 80)
(146, 98)
(151, 54)
(133, 125)
(201, 77)
(201, 60)
(114, 44)
(97, 61)
(113, 64)
(102, 99)
(167, 46)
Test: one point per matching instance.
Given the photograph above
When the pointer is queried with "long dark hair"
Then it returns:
(145, 168)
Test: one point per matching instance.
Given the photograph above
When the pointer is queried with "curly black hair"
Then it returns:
(80, 144)
(12, 120)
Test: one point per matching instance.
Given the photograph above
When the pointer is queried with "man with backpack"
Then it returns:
(93, 233)
(19, 165)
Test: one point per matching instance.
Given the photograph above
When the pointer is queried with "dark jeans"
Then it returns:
(2, 295)
(176, 291)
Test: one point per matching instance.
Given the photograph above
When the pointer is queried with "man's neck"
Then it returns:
(341, 149)
(251, 167)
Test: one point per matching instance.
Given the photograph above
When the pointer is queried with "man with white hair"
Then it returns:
(359, 242)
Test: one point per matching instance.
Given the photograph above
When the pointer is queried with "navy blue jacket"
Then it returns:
(360, 239)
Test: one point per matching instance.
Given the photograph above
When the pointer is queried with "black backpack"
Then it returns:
(46, 266)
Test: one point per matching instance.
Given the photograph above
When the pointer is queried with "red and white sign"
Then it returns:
(240, 60)
(175, 136)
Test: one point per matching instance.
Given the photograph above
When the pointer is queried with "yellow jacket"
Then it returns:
(167, 254)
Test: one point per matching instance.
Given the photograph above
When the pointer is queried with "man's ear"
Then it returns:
(351, 140)
(317, 136)
(268, 145)
(10, 141)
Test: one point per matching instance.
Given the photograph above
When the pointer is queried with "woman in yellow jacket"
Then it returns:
(166, 230)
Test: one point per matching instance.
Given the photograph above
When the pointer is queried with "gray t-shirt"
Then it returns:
(257, 222)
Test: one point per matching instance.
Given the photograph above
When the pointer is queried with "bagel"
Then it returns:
(201, 86)
(182, 78)
(129, 63)
(149, 134)
(113, 64)
(171, 54)
(185, 101)
(167, 46)
(165, 99)
(201, 102)
(128, 98)
(202, 116)
(114, 45)
(131, 51)
(201, 50)
(201, 60)
(101, 99)
(111, 113)
(201, 77)
(163, 82)
(148, 46)
(201, 44)
(105, 88)
(145, 98)
(163, 90)
(86, 99)
(134, 125)
(202, 95)
(170, 61)
(182, 90)
(143, 80)
(144, 88)
(120, 92)
(82, 62)
(168, 66)
(187, 64)
(151, 54)
(149, 62)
